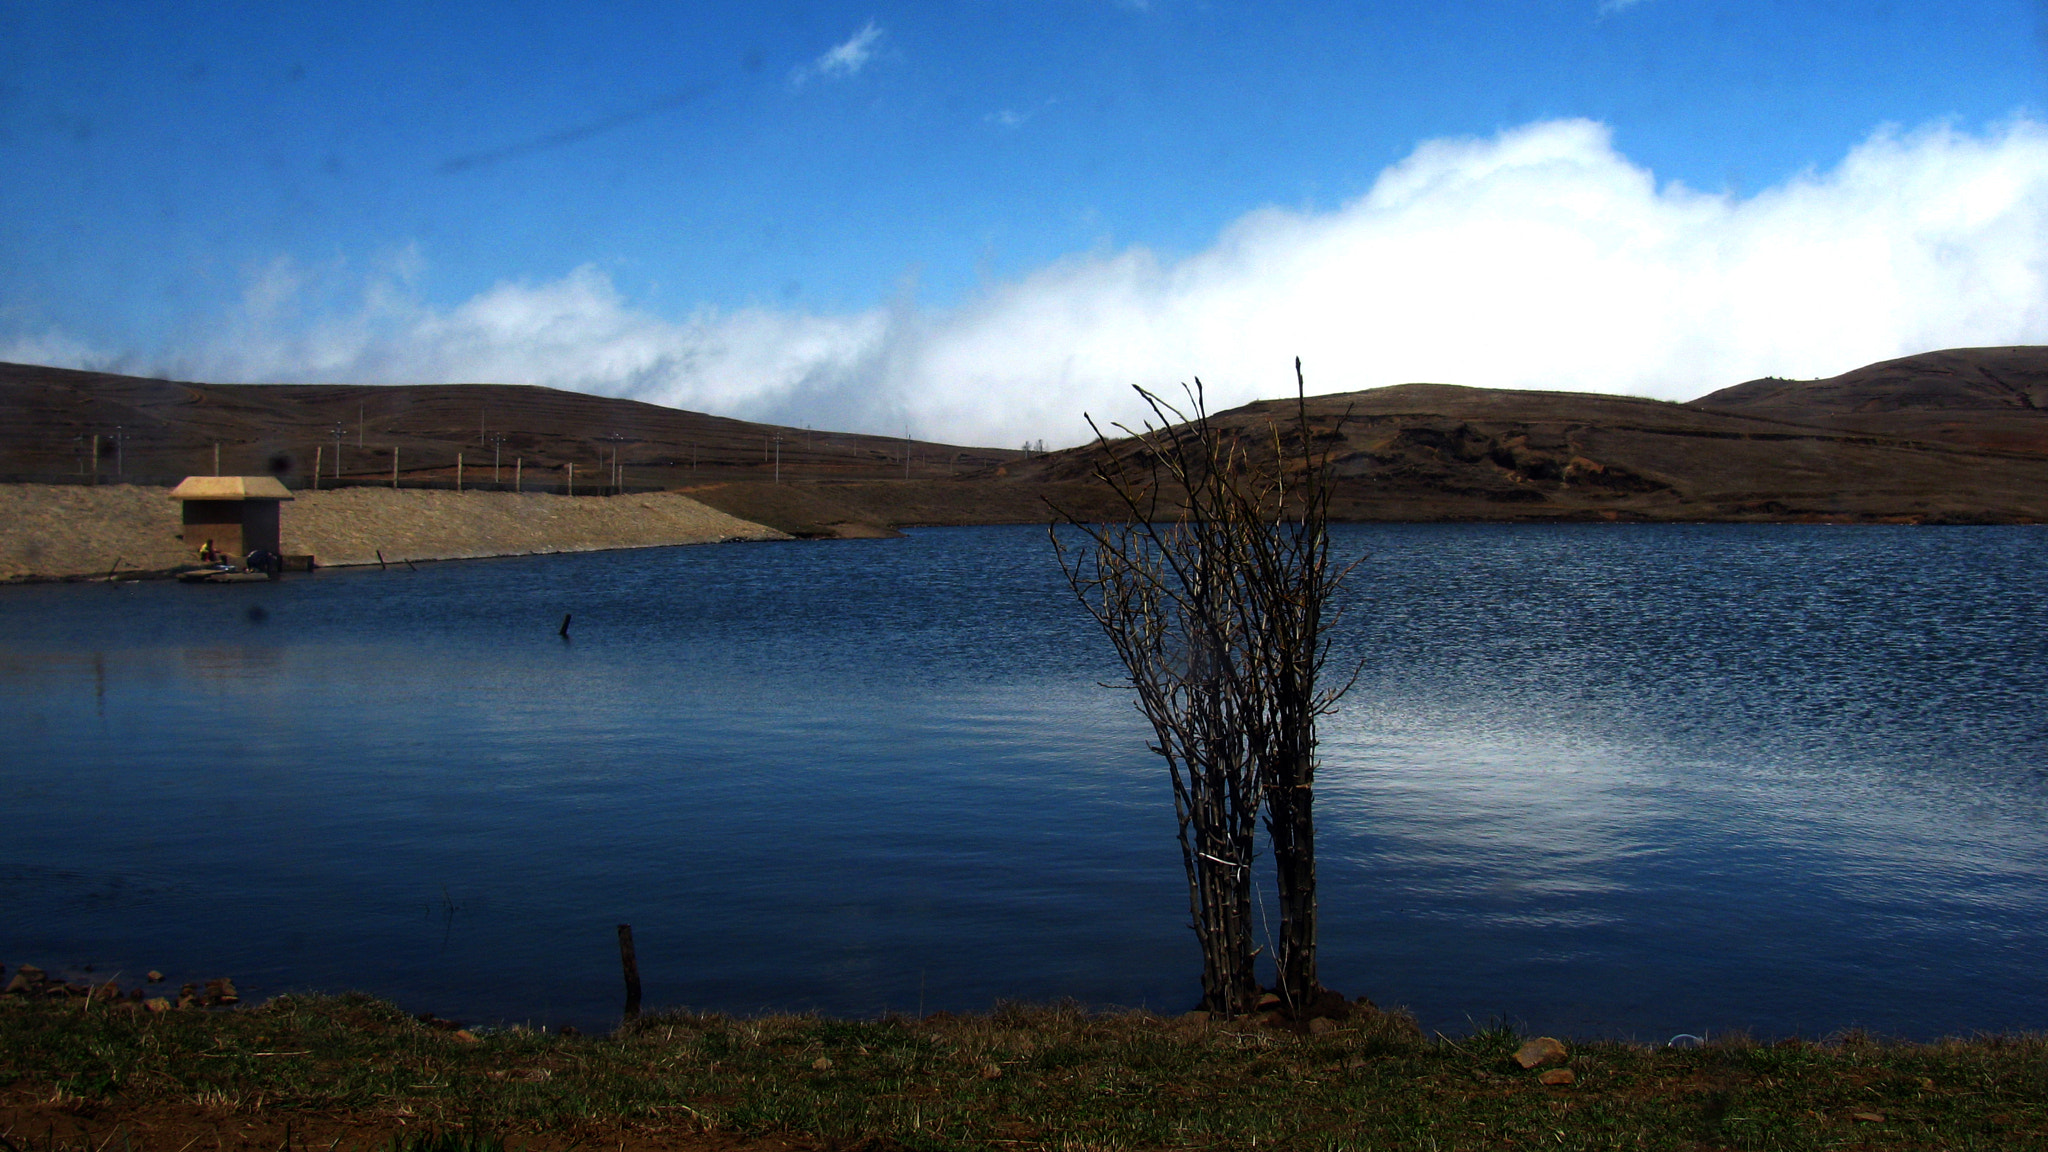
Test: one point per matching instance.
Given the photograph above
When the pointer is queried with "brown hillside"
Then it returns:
(1441, 452)
(1956, 436)
(1990, 398)
(157, 431)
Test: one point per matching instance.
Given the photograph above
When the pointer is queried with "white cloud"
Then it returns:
(841, 61)
(1538, 258)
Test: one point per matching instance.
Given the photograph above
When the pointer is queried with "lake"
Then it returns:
(1598, 780)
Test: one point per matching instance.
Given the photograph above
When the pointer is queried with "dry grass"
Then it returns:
(59, 531)
(355, 1072)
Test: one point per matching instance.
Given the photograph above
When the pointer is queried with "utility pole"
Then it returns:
(618, 477)
(339, 433)
(497, 454)
(778, 458)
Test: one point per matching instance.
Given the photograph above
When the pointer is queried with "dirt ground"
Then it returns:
(54, 531)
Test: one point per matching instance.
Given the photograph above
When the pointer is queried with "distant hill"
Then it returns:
(156, 431)
(1956, 436)
(2004, 380)
(1959, 436)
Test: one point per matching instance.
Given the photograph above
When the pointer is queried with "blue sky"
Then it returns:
(981, 218)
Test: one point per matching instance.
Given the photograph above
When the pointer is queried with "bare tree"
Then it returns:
(1291, 583)
(1212, 587)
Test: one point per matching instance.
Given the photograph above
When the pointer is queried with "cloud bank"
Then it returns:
(1538, 258)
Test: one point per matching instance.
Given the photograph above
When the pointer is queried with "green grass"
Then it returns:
(1032, 1077)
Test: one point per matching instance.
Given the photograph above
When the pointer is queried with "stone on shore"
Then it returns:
(1541, 1050)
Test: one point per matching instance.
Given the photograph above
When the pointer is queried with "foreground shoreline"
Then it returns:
(354, 1072)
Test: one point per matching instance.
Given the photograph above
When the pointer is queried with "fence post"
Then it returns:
(631, 965)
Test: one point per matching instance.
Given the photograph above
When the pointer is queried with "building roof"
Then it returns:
(230, 488)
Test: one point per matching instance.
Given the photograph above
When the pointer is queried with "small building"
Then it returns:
(237, 514)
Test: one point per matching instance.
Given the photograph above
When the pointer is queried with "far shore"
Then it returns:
(71, 532)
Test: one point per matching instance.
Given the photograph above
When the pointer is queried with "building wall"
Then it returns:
(236, 527)
(217, 520)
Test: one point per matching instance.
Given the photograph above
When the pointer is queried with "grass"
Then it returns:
(360, 1073)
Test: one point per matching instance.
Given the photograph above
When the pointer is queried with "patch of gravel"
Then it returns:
(55, 531)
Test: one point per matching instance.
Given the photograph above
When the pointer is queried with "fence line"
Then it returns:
(328, 483)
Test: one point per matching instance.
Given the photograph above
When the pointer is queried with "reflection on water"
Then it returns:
(1602, 779)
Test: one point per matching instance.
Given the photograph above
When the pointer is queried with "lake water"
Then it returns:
(1595, 779)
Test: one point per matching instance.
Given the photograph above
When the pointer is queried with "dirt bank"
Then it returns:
(55, 531)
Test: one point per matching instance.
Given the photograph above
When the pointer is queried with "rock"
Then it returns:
(1558, 1076)
(822, 1063)
(27, 979)
(1541, 1050)
(991, 1072)
(221, 991)
(157, 1004)
(1330, 1004)
(465, 1036)
(1321, 1026)
(1196, 1017)
(155, 977)
(1267, 1002)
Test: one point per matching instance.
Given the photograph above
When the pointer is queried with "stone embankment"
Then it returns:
(30, 980)
(64, 531)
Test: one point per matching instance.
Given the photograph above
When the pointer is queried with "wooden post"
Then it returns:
(632, 967)
(316, 466)
(216, 457)
(458, 471)
(572, 479)
(394, 468)
(95, 457)
(515, 475)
